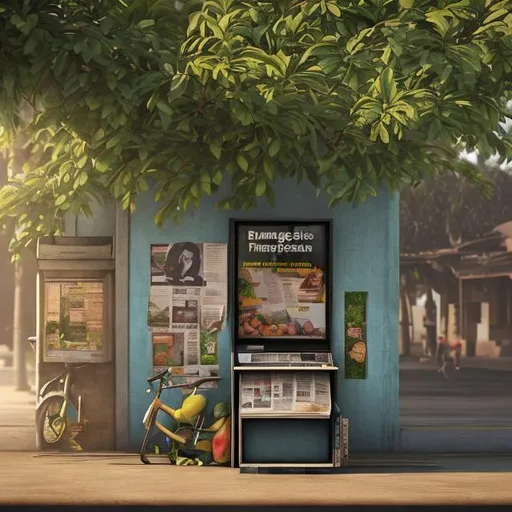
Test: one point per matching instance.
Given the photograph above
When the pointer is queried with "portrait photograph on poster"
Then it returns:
(179, 264)
(281, 280)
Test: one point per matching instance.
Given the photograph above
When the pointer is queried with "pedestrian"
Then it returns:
(424, 345)
(442, 354)
(430, 324)
(456, 347)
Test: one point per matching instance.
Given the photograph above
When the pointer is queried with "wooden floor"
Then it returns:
(121, 479)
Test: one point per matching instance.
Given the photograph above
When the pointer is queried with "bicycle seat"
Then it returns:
(75, 366)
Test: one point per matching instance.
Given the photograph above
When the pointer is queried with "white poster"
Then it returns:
(187, 304)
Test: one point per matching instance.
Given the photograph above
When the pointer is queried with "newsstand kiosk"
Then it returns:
(283, 373)
(74, 350)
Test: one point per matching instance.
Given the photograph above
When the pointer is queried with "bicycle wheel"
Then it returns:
(50, 425)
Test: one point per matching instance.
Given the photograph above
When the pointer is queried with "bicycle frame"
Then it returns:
(65, 392)
(157, 405)
(150, 419)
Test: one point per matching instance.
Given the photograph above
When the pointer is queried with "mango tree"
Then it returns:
(188, 99)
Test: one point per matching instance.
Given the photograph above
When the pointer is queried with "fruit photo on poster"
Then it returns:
(281, 302)
(281, 279)
(168, 349)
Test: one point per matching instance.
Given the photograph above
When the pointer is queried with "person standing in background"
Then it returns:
(430, 323)
(456, 347)
(442, 355)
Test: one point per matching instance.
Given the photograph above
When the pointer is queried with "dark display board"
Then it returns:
(281, 280)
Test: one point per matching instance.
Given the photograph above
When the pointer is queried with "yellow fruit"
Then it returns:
(217, 425)
(192, 406)
(205, 445)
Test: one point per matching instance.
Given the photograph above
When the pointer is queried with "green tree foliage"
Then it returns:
(448, 211)
(187, 98)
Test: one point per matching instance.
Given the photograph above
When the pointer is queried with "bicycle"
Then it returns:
(186, 447)
(52, 410)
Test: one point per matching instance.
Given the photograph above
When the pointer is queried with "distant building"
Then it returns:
(474, 283)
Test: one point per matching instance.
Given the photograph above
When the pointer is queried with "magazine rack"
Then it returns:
(283, 374)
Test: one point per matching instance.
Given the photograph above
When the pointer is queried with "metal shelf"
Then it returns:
(285, 465)
(255, 368)
(290, 416)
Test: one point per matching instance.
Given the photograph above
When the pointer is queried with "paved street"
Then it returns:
(121, 479)
(480, 395)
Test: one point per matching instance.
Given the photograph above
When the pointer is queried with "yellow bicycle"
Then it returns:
(186, 445)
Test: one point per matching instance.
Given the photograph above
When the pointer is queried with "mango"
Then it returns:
(221, 410)
(221, 443)
(192, 406)
(217, 425)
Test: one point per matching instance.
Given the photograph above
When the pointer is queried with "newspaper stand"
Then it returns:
(283, 377)
(75, 299)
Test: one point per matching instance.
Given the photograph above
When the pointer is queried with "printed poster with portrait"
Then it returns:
(281, 278)
(187, 305)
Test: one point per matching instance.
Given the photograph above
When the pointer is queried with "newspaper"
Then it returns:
(312, 359)
(187, 305)
(301, 393)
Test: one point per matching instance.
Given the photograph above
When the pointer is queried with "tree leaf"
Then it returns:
(179, 84)
(145, 24)
(242, 162)
(261, 186)
(215, 150)
(60, 200)
(333, 9)
(82, 162)
(274, 147)
(217, 178)
(169, 68)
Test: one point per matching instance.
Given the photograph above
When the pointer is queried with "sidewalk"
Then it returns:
(17, 419)
(120, 479)
(419, 363)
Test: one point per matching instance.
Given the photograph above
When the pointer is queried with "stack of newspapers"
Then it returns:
(340, 445)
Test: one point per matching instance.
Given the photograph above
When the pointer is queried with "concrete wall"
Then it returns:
(101, 223)
(365, 258)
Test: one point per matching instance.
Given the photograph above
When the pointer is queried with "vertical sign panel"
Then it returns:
(355, 335)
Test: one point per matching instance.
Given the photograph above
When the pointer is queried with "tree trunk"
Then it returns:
(24, 315)
(19, 348)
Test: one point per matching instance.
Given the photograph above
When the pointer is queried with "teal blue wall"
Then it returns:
(365, 258)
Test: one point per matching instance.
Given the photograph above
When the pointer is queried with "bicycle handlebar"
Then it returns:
(196, 383)
(158, 376)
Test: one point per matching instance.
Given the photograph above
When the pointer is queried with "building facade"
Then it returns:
(365, 258)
